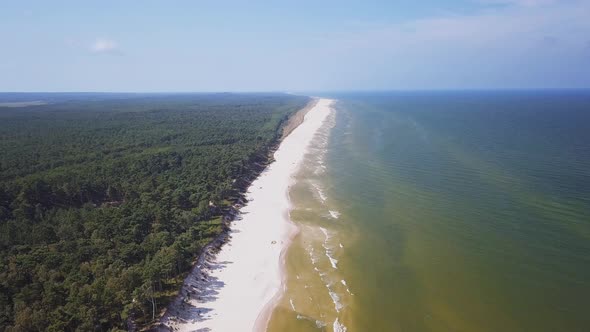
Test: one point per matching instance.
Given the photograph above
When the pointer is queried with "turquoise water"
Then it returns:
(458, 211)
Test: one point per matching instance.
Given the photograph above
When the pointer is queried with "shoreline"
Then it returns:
(239, 278)
(265, 313)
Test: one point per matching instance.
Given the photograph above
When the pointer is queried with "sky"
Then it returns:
(191, 46)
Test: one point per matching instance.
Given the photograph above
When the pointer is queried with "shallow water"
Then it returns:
(430, 211)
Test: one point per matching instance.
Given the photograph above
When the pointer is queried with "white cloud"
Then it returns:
(103, 45)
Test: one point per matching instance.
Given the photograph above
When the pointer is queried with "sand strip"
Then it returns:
(236, 289)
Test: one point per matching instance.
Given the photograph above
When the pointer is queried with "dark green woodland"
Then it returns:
(106, 200)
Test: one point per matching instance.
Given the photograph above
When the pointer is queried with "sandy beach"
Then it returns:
(235, 289)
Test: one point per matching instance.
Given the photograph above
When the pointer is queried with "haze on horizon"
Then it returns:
(257, 46)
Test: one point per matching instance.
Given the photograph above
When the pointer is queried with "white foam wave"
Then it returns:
(312, 256)
(319, 191)
(333, 261)
(334, 214)
(338, 327)
(318, 323)
(320, 161)
(343, 282)
(328, 251)
(292, 305)
(336, 299)
(325, 231)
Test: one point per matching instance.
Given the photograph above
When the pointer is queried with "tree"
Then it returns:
(104, 202)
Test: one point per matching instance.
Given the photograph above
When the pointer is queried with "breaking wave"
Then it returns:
(334, 214)
(338, 327)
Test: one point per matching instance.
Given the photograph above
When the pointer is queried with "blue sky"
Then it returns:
(295, 46)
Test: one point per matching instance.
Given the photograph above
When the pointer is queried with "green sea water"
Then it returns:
(443, 211)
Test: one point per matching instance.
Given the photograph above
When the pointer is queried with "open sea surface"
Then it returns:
(443, 211)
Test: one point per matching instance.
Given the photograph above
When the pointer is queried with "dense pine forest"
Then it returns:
(107, 199)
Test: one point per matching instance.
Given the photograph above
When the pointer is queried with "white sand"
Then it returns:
(237, 289)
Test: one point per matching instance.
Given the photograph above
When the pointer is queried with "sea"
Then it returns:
(443, 211)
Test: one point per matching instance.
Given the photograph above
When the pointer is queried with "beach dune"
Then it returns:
(236, 289)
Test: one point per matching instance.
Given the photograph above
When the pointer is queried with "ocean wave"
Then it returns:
(328, 251)
(343, 282)
(334, 214)
(319, 191)
(338, 327)
(325, 231)
(320, 169)
(318, 323)
(333, 261)
(292, 305)
(336, 299)
(312, 257)
(333, 295)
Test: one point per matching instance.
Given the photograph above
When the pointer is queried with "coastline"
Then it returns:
(236, 283)
(298, 118)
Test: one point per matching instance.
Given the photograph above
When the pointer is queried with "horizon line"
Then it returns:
(305, 91)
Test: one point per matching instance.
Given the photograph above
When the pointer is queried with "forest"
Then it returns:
(106, 200)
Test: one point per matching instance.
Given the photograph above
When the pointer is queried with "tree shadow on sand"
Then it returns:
(199, 290)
